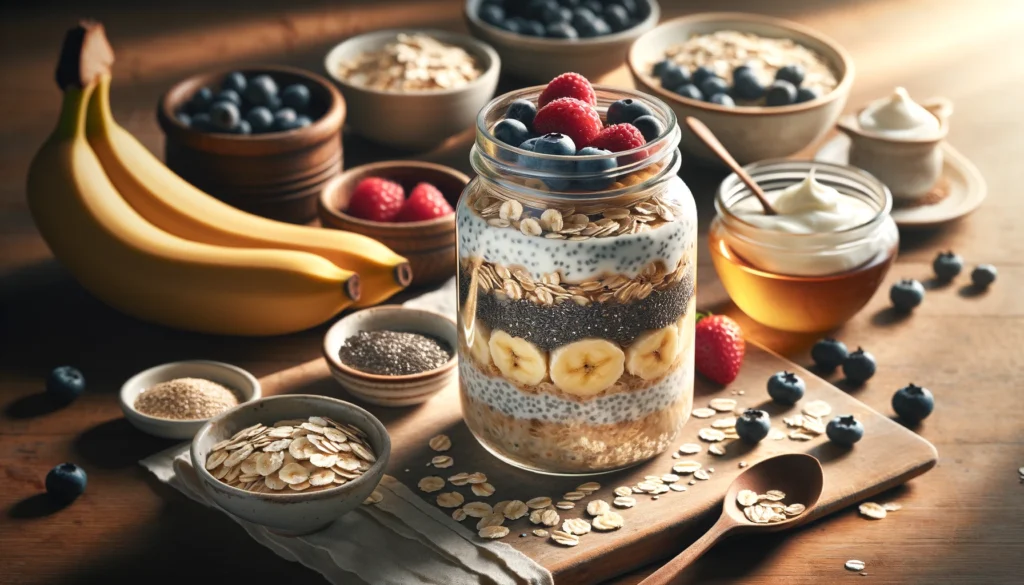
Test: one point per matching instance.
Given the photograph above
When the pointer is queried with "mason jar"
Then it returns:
(576, 299)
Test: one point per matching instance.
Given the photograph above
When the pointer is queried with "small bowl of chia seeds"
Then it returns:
(392, 355)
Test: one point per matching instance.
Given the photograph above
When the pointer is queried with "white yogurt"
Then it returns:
(898, 116)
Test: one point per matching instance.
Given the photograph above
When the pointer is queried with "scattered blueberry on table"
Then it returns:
(859, 366)
(913, 403)
(563, 19)
(786, 387)
(906, 294)
(829, 353)
(753, 425)
(65, 383)
(65, 482)
(947, 266)
(254, 105)
(983, 275)
(844, 430)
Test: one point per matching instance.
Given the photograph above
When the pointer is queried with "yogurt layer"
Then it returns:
(898, 116)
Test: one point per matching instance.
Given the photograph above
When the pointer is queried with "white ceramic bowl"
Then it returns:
(539, 60)
(392, 390)
(749, 133)
(289, 512)
(414, 120)
(242, 382)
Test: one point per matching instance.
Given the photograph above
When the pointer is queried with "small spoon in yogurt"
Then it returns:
(711, 141)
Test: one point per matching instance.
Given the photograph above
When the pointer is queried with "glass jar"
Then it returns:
(576, 299)
(805, 282)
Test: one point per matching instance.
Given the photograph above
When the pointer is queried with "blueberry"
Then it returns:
(65, 482)
(947, 266)
(859, 366)
(184, 118)
(522, 110)
(674, 76)
(533, 28)
(303, 121)
(535, 8)
(805, 94)
(65, 383)
(702, 74)
(906, 294)
(202, 122)
(689, 90)
(746, 85)
(661, 66)
(627, 110)
(753, 425)
(234, 81)
(582, 15)
(631, 6)
(225, 115)
(744, 69)
(274, 103)
(296, 97)
(781, 93)
(562, 30)
(243, 127)
(556, 144)
(511, 132)
(201, 100)
(284, 118)
(594, 167)
(649, 126)
(913, 404)
(530, 144)
(844, 430)
(786, 387)
(595, 6)
(229, 95)
(514, 25)
(616, 17)
(260, 119)
(261, 90)
(983, 275)
(570, 3)
(492, 14)
(555, 14)
(595, 28)
(712, 86)
(722, 99)
(791, 73)
(829, 353)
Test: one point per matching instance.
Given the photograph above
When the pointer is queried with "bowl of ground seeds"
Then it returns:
(392, 355)
(174, 400)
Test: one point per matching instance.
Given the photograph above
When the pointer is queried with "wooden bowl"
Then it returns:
(428, 245)
(277, 174)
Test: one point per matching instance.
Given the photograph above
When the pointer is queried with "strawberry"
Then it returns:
(619, 138)
(376, 199)
(719, 348)
(425, 202)
(571, 85)
(577, 120)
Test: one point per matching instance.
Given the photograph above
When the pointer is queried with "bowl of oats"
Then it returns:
(292, 463)
(174, 400)
(413, 89)
(766, 87)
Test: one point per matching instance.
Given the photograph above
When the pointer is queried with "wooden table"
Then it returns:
(961, 523)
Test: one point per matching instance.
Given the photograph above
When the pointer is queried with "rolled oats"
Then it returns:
(413, 62)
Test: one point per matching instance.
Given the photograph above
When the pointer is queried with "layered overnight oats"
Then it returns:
(576, 295)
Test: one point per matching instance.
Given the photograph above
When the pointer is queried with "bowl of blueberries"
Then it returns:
(539, 39)
(264, 139)
(766, 87)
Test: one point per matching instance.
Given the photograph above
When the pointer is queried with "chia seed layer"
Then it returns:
(556, 325)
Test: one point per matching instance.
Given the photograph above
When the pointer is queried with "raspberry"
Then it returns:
(425, 202)
(376, 199)
(618, 138)
(577, 120)
(571, 85)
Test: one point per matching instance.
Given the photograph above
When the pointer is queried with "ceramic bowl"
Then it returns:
(749, 133)
(539, 60)
(289, 512)
(277, 174)
(391, 390)
(242, 382)
(428, 245)
(414, 120)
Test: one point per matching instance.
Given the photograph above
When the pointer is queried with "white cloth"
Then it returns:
(400, 541)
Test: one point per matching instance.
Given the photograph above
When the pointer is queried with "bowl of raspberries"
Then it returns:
(538, 39)
(407, 205)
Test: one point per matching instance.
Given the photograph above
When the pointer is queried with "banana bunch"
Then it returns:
(147, 243)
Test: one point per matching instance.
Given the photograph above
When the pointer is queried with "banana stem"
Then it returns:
(73, 110)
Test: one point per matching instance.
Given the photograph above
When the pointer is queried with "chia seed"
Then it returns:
(394, 353)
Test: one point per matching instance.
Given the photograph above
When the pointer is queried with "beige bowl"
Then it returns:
(539, 60)
(749, 133)
(289, 512)
(391, 390)
(414, 120)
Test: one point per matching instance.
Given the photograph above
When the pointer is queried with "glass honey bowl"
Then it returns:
(802, 282)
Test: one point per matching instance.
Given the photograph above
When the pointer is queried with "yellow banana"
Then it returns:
(174, 205)
(148, 273)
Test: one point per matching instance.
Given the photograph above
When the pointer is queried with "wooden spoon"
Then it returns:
(712, 142)
(798, 475)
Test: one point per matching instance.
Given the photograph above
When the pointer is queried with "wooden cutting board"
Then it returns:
(888, 455)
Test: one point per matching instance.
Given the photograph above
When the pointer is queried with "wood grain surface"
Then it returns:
(963, 522)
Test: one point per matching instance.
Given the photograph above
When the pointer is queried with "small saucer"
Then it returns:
(962, 187)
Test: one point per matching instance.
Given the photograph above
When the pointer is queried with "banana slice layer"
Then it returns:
(517, 359)
(587, 367)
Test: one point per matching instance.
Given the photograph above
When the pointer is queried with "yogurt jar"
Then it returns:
(820, 259)
(576, 300)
